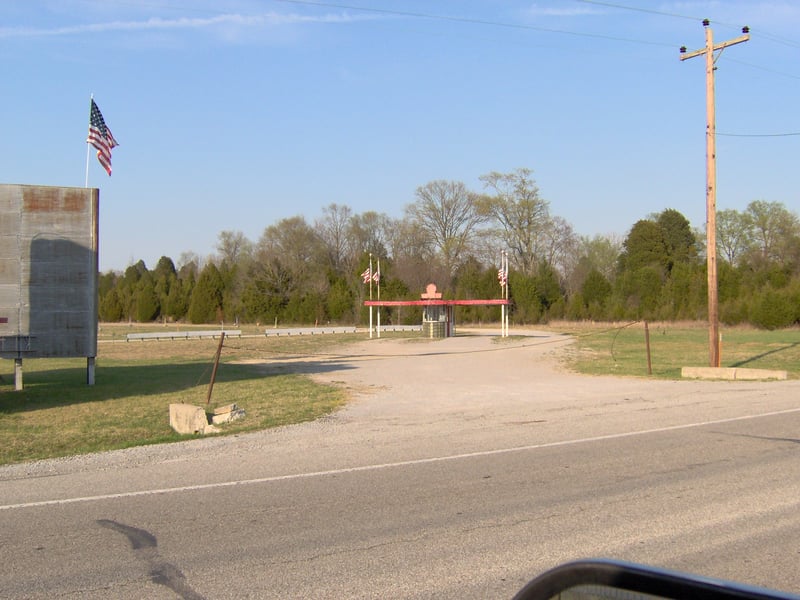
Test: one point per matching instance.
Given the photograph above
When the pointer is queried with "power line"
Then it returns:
(760, 68)
(763, 135)
(637, 9)
(474, 21)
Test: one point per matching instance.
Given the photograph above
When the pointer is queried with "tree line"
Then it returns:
(303, 272)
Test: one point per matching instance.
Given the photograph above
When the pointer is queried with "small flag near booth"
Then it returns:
(502, 276)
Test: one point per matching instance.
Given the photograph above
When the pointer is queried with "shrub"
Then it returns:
(773, 310)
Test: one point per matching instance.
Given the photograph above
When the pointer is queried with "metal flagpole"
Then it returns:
(502, 293)
(505, 277)
(370, 295)
(378, 273)
(88, 149)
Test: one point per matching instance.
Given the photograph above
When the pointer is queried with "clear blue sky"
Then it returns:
(234, 114)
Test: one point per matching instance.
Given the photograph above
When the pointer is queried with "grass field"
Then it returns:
(620, 349)
(57, 414)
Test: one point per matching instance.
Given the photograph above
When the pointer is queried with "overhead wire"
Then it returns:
(474, 21)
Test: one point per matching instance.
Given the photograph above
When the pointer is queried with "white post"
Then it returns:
(17, 374)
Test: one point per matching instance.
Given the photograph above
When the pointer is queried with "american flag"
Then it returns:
(502, 276)
(376, 277)
(367, 275)
(100, 137)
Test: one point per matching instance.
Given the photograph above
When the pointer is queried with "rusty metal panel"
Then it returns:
(48, 271)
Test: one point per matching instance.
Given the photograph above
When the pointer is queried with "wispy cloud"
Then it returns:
(185, 23)
(537, 10)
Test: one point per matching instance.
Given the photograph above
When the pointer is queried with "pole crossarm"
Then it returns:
(720, 46)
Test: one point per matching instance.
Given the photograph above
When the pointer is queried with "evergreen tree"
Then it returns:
(206, 303)
(147, 305)
(110, 309)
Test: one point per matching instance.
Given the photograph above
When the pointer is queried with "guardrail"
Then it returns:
(400, 328)
(181, 335)
(309, 331)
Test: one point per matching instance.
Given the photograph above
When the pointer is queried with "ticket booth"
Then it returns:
(438, 320)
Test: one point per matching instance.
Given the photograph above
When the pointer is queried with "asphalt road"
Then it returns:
(462, 469)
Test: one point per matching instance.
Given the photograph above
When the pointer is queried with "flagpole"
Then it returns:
(379, 296)
(505, 255)
(370, 295)
(91, 97)
(502, 295)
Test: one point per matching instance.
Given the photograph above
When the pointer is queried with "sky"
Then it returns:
(234, 114)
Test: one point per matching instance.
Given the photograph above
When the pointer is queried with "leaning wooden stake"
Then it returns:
(216, 364)
(647, 345)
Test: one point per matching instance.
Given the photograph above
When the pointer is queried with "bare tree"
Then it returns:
(734, 235)
(522, 216)
(232, 247)
(446, 211)
(288, 256)
(369, 233)
(333, 229)
(413, 256)
(774, 229)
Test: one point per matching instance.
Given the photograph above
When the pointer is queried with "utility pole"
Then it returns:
(711, 183)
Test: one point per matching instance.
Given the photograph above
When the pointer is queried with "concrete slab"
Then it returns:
(731, 373)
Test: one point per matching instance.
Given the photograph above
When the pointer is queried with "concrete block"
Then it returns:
(227, 417)
(189, 419)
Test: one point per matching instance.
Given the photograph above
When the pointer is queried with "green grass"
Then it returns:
(621, 350)
(57, 414)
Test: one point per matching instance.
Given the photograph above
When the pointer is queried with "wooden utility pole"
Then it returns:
(711, 184)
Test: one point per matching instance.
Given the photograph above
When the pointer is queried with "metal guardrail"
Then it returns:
(180, 335)
(215, 333)
(309, 331)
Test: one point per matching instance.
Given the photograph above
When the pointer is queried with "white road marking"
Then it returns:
(377, 467)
